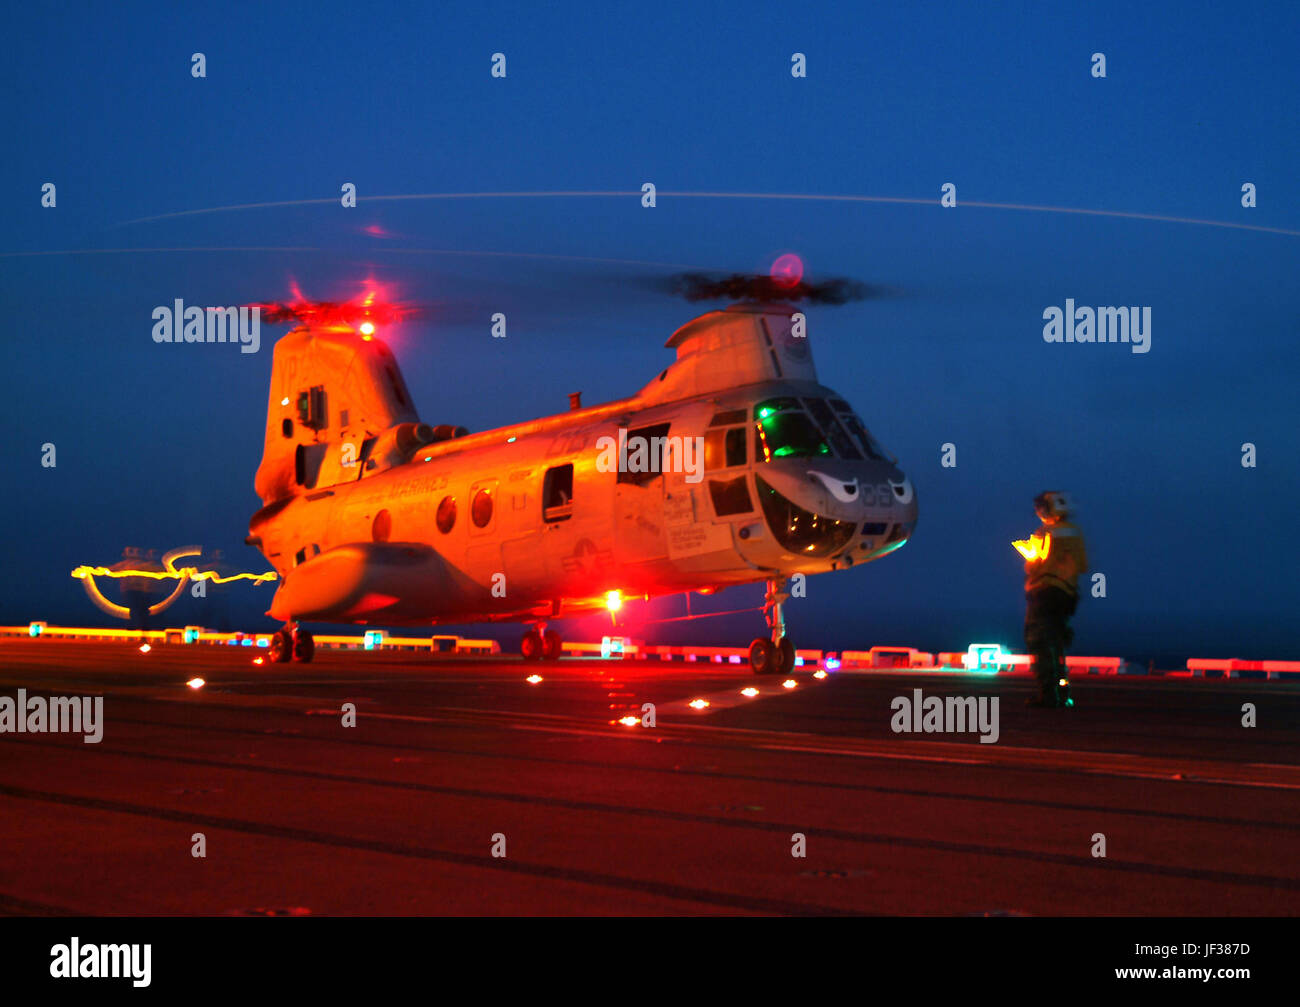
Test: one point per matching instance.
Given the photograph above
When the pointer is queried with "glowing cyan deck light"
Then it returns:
(614, 601)
(831, 662)
(987, 657)
(1035, 548)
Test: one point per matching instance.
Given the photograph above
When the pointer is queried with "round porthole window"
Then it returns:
(446, 514)
(481, 509)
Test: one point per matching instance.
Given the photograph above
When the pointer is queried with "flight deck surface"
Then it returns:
(698, 814)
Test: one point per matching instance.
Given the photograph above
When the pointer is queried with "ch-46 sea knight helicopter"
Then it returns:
(372, 516)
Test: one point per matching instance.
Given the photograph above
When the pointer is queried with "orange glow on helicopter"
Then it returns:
(614, 601)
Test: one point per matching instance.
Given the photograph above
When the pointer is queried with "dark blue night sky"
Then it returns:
(157, 445)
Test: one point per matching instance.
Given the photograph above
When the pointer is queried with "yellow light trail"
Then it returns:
(183, 575)
(193, 573)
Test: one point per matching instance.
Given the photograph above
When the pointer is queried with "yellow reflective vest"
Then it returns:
(1064, 560)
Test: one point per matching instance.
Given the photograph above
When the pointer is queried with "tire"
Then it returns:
(304, 647)
(762, 656)
(552, 645)
(281, 649)
(531, 645)
(785, 657)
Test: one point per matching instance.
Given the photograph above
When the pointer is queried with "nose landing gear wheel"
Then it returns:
(776, 654)
(762, 656)
(531, 645)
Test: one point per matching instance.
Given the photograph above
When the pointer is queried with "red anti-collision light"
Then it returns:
(787, 270)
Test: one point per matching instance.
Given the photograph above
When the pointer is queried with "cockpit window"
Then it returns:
(843, 444)
(783, 430)
(799, 531)
(869, 444)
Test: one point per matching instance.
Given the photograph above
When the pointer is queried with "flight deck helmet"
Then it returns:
(1053, 505)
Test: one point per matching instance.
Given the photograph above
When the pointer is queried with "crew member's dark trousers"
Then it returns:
(1047, 634)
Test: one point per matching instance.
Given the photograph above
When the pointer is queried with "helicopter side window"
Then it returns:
(730, 496)
(783, 430)
(645, 455)
(724, 449)
(557, 494)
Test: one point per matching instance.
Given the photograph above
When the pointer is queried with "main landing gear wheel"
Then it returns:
(762, 656)
(281, 649)
(531, 646)
(552, 645)
(304, 646)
